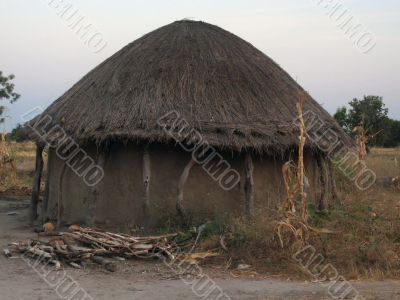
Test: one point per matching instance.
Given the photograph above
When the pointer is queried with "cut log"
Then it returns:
(36, 182)
(75, 265)
(39, 252)
(110, 266)
(249, 185)
(179, 199)
(146, 175)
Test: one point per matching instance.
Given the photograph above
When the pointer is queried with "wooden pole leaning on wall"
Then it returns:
(181, 184)
(249, 185)
(146, 177)
(36, 182)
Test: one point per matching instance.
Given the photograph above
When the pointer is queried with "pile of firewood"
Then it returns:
(87, 244)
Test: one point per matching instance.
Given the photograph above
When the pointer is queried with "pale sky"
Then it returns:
(47, 57)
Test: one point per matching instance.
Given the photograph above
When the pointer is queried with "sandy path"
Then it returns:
(146, 280)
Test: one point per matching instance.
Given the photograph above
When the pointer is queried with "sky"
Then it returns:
(47, 57)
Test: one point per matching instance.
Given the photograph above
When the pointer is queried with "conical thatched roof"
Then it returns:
(235, 95)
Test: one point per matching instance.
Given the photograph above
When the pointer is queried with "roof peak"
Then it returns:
(189, 20)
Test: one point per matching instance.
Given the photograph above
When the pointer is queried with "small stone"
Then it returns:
(243, 267)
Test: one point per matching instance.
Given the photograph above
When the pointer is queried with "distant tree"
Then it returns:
(342, 117)
(17, 134)
(6, 92)
(371, 113)
(391, 134)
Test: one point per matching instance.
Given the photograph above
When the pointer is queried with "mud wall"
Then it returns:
(119, 196)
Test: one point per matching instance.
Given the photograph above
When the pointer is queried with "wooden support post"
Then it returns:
(249, 185)
(179, 199)
(47, 188)
(146, 176)
(317, 186)
(36, 182)
(326, 192)
(335, 194)
(92, 203)
(60, 205)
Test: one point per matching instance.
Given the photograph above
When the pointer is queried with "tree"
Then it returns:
(18, 134)
(391, 133)
(6, 92)
(342, 117)
(371, 112)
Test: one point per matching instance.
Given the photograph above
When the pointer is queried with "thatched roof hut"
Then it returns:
(238, 99)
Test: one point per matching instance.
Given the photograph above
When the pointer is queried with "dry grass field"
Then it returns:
(24, 160)
(365, 242)
(385, 162)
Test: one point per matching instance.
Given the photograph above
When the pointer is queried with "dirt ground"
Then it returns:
(149, 279)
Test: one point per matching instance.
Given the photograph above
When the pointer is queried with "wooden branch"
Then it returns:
(36, 182)
(60, 206)
(179, 199)
(146, 175)
(92, 203)
(249, 185)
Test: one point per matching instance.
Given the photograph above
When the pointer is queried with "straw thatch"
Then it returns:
(232, 93)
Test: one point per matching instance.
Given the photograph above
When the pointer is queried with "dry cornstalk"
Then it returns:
(294, 179)
(287, 171)
(300, 165)
(362, 139)
(294, 184)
